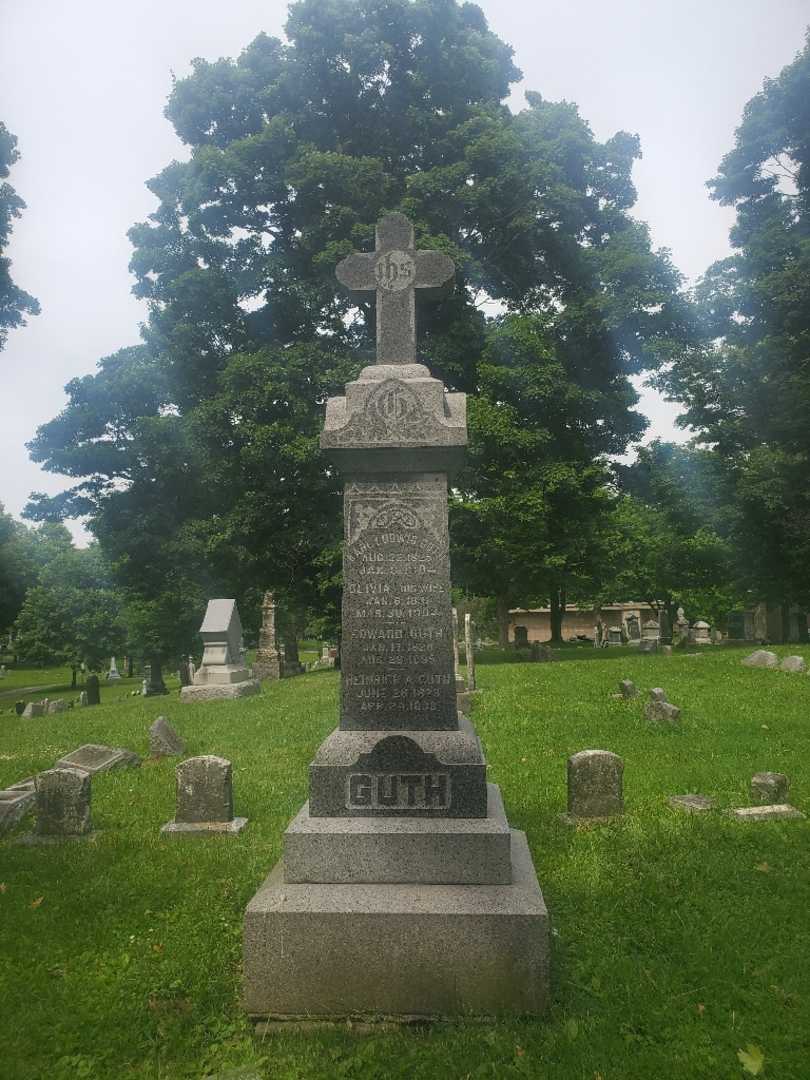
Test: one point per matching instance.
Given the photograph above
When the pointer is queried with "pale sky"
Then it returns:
(83, 85)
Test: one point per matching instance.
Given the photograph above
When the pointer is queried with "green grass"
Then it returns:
(677, 940)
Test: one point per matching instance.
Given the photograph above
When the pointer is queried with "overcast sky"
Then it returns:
(83, 85)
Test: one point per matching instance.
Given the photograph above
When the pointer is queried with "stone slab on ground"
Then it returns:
(761, 658)
(691, 804)
(93, 758)
(769, 788)
(204, 828)
(766, 813)
(795, 664)
(326, 951)
(427, 851)
(215, 691)
(14, 805)
(164, 740)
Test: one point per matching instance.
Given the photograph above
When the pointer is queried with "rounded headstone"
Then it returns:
(204, 789)
(595, 784)
(761, 658)
(63, 803)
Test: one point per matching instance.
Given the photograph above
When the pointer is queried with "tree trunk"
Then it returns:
(502, 615)
(129, 667)
(557, 605)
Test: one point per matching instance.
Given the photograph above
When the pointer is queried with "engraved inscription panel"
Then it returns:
(398, 791)
(394, 270)
(397, 654)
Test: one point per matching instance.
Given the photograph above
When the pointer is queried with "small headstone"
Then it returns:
(19, 707)
(680, 631)
(594, 786)
(659, 709)
(93, 690)
(651, 631)
(666, 650)
(628, 689)
(92, 758)
(691, 804)
(63, 803)
(164, 740)
(59, 705)
(793, 663)
(766, 813)
(204, 798)
(83, 697)
(761, 658)
(769, 787)
(33, 708)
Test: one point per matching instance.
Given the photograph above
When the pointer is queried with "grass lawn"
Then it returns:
(677, 940)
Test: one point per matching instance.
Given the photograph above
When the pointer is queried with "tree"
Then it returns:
(72, 615)
(15, 304)
(207, 435)
(747, 388)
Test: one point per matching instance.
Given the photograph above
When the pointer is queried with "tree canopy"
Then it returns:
(15, 303)
(206, 436)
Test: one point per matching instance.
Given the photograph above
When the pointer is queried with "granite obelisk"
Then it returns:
(402, 890)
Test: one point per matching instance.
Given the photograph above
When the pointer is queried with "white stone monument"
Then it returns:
(222, 673)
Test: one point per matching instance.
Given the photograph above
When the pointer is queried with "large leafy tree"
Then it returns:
(15, 303)
(296, 149)
(747, 391)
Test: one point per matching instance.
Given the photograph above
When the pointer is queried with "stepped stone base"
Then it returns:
(427, 851)
(204, 828)
(328, 951)
(212, 691)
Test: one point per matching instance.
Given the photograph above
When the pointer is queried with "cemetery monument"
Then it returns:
(222, 673)
(268, 662)
(402, 890)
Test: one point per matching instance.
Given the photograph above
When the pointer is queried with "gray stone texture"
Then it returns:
(595, 785)
(164, 740)
(93, 690)
(63, 803)
(219, 691)
(769, 787)
(628, 689)
(691, 804)
(398, 950)
(383, 758)
(397, 646)
(795, 664)
(659, 710)
(92, 758)
(761, 658)
(203, 828)
(222, 673)
(204, 790)
(32, 709)
(363, 850)
(267, 663)
(766, 813)
(58, 705)
(14, 805)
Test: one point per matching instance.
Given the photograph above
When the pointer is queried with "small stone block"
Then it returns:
(14, 804)
(204, 790)
(793, 663)
(766, 813)
(691, 804)
(326, 951)
(204, 828)
(63, 802)
(769, 787)
(628, 689)
(761, 658)
(666, 650)
(33, 708)
(662, 712)
(595, 785)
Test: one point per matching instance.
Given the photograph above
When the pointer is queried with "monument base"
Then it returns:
(330, 951)
(212, 691)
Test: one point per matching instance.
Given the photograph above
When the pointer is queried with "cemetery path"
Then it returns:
(17, 690)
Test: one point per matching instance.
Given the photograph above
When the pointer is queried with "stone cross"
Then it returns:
(393, 271)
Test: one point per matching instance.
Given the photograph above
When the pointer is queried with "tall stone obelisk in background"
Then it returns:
(402, 890)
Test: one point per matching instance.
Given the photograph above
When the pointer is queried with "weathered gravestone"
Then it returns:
(659, 710)
(615, 636)
(628, 689)
(796, 664)
(222, 673)
(761, 658)
(769, 787)
(62, 805)
(92, 690)
(153, 684)
(164, 740)
(594, 786)
(204, 799)
(700, 633)
(113, 673)
(93, 758)
(267, 664)
(691, 804)
(33, 708)
(57, 706)
(397, 898)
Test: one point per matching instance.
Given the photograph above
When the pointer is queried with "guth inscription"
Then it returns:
(398, 791)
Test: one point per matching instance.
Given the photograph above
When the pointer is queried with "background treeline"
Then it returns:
(195, 455)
